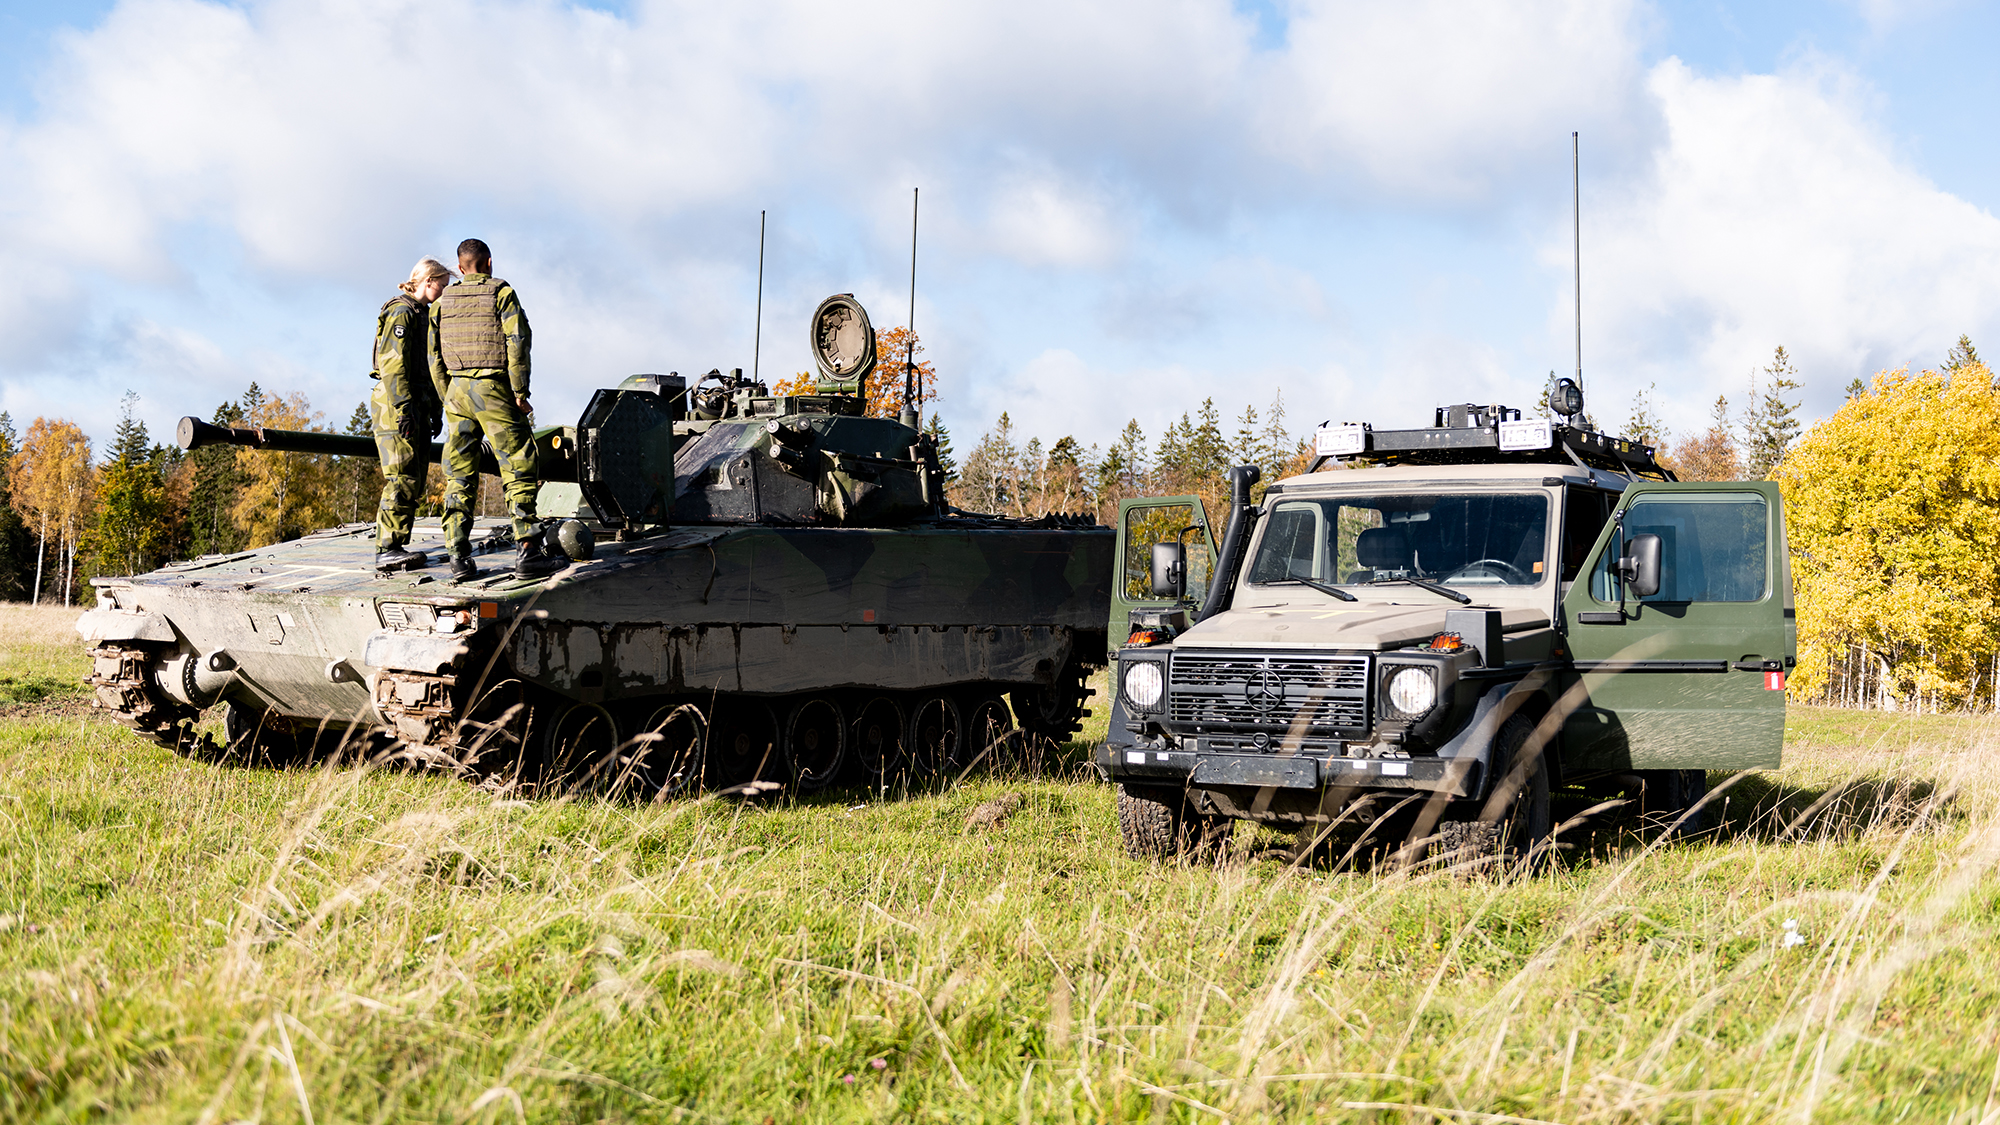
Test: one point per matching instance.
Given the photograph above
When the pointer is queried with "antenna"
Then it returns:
(912, 385)
(1576, 219)
(757, 354)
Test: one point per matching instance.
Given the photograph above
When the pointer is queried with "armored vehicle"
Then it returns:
(1469, 614)
(759, 584)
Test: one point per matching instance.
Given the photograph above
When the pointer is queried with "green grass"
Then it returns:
(185, 942)
(41, 656)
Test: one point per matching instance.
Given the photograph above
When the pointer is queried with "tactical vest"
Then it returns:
(416, 365)
(469, 326)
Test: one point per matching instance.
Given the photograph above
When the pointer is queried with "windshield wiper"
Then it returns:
(1433, 587)
(1322, 587)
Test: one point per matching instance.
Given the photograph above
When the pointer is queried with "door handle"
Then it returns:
(1758, 665)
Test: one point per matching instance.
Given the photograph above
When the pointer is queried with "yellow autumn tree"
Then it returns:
(54, 485)
(284, 495)
(1895, 540)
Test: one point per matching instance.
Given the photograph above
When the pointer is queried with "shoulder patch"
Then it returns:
(399, 332)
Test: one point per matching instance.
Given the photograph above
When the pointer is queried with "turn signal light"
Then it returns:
(1446, 642)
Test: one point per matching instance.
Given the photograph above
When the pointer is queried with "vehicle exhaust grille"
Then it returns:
(1269, 692)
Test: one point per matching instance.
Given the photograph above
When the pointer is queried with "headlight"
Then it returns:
(1412, 691)
(1144, 684)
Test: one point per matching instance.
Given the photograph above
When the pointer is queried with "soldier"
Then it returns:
(481, 366)
(407, 410)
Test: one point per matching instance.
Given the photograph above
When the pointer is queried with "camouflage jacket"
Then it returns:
(403, 353)
(513, 329)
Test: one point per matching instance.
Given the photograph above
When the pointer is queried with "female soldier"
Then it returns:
(407, 410)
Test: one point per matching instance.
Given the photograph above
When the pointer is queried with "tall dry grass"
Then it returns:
(186, 942)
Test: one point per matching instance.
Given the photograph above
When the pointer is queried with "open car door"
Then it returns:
(1142, 523)
(1692, 675)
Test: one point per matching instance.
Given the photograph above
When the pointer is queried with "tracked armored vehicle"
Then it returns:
(759, 585)
(1469, 615)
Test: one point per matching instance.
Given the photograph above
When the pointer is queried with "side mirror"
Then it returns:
(1169, 571)
(1641, 568)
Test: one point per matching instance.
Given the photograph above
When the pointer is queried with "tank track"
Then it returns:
(125, 687)
(1056, 712)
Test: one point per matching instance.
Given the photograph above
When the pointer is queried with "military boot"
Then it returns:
(396, 556)
(534, 562)
(463, 569)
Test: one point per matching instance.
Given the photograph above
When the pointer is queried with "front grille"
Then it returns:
(1268, 692)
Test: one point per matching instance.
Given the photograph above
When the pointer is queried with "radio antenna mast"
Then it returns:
(912, 388)
(1576, 229)
(757, 352)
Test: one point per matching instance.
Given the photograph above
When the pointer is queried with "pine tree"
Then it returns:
(214, 487)
(359, 478)
(1065, 478)
(988, 480)
(133, 524)
(941, 439)
(1856, 388)
(1248, 449)
(1643, 425)
(1961, 356)
(1771, 424)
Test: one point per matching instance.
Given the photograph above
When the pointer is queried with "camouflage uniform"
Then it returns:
(481, 365)
(405, 406)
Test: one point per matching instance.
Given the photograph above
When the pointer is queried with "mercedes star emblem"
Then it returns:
(1264, 690)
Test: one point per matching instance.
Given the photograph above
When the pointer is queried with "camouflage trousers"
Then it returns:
(485, 405)
(402, 427)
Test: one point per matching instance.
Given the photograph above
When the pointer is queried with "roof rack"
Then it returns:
(1471, 434)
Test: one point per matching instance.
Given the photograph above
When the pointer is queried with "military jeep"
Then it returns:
(1458, 618)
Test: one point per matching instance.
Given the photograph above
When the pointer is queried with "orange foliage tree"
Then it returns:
(882, 393)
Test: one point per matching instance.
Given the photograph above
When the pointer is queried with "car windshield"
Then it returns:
(1468, 539)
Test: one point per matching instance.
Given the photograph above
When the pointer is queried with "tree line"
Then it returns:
(67, 515)
(1893, 502)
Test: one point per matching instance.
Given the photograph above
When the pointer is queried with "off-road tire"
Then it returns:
(1156, 823)
(1526, 822)
(1668, 795)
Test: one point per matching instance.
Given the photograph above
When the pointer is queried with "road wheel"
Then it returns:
(581, 750)
(815, 742)
(933, 740)
(744, 744)
(1156, 823)
(665, 753)
(879, 730)
(1667, 798)
(990, 737)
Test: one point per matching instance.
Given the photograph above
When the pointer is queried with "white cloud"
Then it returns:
(1775, 214)
(1127, 206)
(1437, 100)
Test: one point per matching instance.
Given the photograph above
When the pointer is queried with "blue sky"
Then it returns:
(1128, 207)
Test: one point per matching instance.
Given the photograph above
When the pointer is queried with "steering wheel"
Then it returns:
(1520, 577)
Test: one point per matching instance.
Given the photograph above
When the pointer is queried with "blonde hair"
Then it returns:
(424, 270)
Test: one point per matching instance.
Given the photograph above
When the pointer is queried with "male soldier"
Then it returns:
(407, 411)
(481, 362)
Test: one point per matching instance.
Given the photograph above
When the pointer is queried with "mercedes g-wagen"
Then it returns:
(1467, 614)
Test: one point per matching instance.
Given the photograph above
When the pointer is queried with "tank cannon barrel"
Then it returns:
(554, 446)
(193, 433)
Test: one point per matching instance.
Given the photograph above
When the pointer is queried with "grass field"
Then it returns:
(185, 942)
